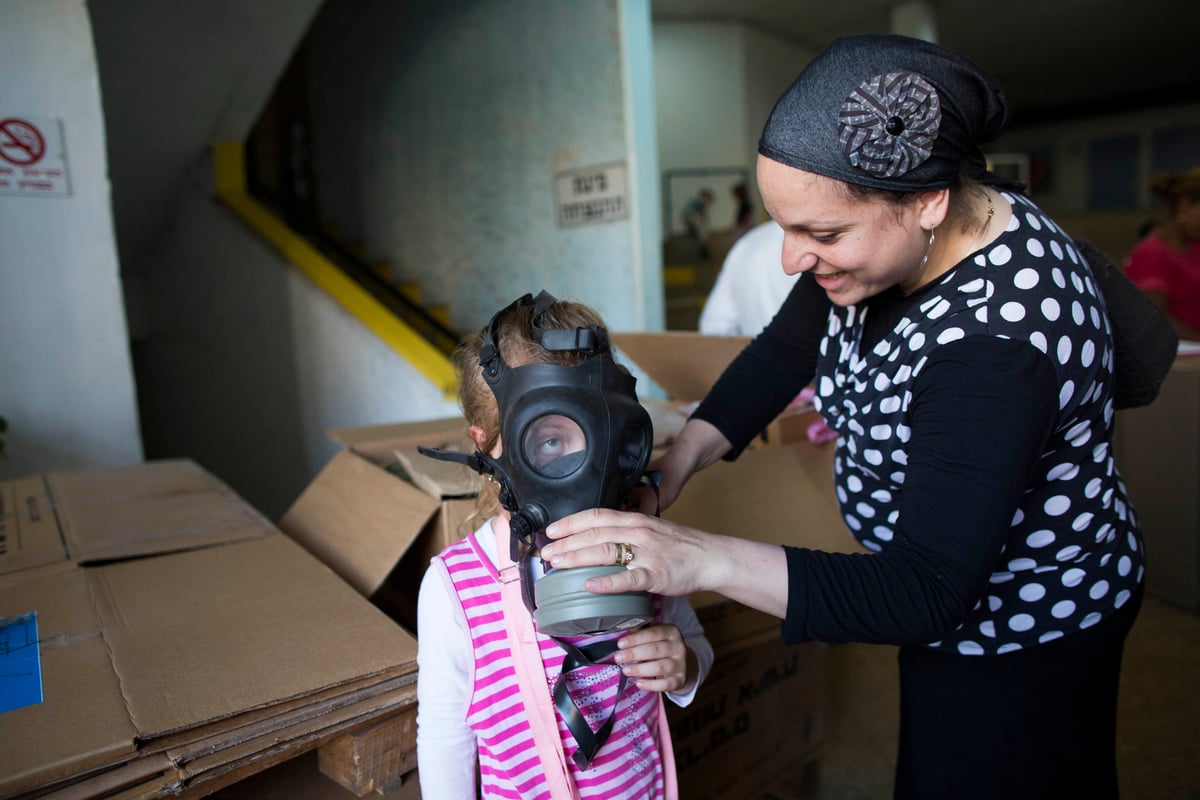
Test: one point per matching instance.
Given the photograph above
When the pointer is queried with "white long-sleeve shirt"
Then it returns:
(446, 747)
(751, 285)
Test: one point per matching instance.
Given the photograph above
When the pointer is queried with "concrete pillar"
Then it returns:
(915, 18)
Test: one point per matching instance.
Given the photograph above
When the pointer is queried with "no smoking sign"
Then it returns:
(32, 157)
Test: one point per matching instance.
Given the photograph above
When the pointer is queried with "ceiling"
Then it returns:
(1057, 59)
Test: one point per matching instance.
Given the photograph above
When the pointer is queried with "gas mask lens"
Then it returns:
(554, 445)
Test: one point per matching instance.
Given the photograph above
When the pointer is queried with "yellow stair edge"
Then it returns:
(410, 290)
(679, 275)
(229, 166)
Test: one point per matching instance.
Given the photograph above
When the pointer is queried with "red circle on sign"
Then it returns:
(21, 143)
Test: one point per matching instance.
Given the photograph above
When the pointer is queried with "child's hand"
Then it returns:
(656, 657)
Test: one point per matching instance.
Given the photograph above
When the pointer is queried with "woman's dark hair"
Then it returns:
(1173, 188)
(962, 189)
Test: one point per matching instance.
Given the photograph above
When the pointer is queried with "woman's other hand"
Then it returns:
(697, 446)
(669, 558)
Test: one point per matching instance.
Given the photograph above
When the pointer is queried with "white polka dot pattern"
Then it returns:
(1073, 553)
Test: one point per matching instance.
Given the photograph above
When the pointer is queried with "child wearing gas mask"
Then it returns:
(556, 692)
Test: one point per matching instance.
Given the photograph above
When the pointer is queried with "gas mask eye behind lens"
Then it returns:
(575, 437)
(554, 445)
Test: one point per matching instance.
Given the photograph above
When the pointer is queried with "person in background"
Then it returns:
(474, 710)
(751, 285)
(962, 352)
(743, 214)
(1165, 263)
(695, 220)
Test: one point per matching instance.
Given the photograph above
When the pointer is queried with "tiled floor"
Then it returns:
(1158, 736)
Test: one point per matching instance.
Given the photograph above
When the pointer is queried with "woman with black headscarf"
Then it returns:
(963, 353)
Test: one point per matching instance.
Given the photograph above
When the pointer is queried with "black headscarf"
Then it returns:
(888, 112)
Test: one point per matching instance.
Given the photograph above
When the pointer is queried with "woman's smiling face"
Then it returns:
(854, 248)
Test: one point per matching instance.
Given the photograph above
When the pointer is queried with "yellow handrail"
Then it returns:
(230, 167)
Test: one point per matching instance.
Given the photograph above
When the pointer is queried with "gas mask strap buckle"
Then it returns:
(474, 460)
(489, 349)
(590, 340)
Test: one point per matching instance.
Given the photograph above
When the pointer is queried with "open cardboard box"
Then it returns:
(170, 612)
(686, 364)
(780, 495)
(379, 511)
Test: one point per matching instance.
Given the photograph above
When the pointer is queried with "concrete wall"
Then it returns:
(1065, 165)
(715, 85)
(439, 128)
(250, 363)
(66, 383)
(242, 364)
(1066, 146)
(177, 76)
(771, 66)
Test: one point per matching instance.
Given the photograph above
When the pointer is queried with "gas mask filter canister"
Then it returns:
(575, 437)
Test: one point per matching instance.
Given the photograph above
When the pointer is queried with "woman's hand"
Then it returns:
(657, 658)
(666, 556)
(669, 558)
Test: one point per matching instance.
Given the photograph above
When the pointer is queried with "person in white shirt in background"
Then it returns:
(751, 285)
(750, 288)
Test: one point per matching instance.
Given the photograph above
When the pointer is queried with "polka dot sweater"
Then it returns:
(974, 423)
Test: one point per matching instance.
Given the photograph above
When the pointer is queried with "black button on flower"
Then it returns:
(888, 125)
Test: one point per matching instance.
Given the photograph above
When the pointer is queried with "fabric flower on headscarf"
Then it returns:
(888, 125)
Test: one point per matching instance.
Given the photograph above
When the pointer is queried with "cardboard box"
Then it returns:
(779, 495)
(764, 709)
(379, 511)
(1158, 453)
(92, 516)
(180, 635)
(762, 712)
(686, 365)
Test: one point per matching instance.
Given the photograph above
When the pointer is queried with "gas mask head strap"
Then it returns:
(589, 341)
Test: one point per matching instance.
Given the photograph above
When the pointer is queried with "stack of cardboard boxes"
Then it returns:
(160, 638)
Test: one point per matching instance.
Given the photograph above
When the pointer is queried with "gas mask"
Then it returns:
(575, 437)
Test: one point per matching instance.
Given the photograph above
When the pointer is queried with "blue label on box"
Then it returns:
(20, 662)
